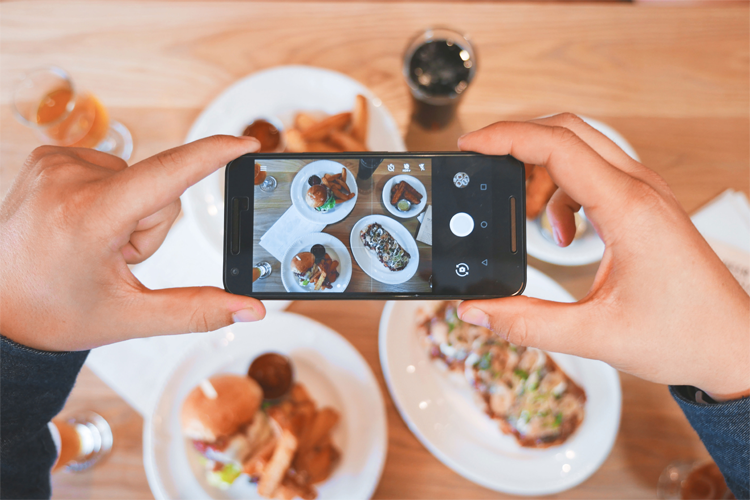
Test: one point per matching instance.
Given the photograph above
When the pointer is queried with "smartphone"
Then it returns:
(375, 226)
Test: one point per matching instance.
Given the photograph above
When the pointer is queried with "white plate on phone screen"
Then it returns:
(441, 412)
(588, 248)
(280, 93)
(333, 372)
(300, 186)
(335, 249)
(368, 261)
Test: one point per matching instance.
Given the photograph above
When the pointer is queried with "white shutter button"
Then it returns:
(462, 224)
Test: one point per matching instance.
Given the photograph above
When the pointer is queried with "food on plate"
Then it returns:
(539, 189)
(266, 133)
(315, 268)
(283, 445)
(388, 251)
(345, 131)
(321, 198)
(403, 191)
(273, 372)
(324, 194)
(522, 388)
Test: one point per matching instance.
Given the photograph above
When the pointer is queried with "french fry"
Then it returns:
(274, 471)
(398, 193)
(304, 121)
(254, 465)
(346, 141)
(343, 174)
(294, 141)
(539, 190)
(359, 119)
(323, 128)
(324, 422)
(320, 280)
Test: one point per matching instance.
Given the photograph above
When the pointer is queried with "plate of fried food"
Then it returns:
(384, 249)
(308, 109)
(283, 408)
(514, 419)
(324, 191)
(587, 247)
(317, 262)
(404, 196)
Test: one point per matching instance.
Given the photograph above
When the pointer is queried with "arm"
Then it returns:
(662, 305)
(34, 386)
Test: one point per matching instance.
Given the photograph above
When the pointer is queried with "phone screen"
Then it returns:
(415, 226)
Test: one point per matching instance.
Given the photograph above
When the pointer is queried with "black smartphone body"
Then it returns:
(382, 225)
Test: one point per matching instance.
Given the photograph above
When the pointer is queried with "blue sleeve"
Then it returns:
(724, 429)
(33, 388)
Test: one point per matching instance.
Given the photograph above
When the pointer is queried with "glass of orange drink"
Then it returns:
(46, 100)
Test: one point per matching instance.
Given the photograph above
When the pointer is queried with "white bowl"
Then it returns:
(413, 182)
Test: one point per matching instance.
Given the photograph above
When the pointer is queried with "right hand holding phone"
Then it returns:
(662, 305)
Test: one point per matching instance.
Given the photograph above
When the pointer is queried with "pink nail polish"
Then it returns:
(244, 315)
(476, 317)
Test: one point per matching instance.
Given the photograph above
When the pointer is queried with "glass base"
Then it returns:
(269, 184)
(117, 142)
(95, 438)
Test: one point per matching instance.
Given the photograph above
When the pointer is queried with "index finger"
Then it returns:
(152, 184)
(573, 165)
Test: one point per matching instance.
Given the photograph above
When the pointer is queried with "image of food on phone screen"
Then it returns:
(354, 225)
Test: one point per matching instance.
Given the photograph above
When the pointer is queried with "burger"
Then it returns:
(320, 198)
(304, 266)
(224, 420)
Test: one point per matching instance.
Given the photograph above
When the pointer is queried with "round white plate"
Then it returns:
(277, 92)
(413, 182)
(440, 410)
(588, 248)
(336, 250)
(332, 371)
(300, 186)
(369, 262)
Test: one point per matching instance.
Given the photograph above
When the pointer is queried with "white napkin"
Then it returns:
(134, 368)
(285, 231)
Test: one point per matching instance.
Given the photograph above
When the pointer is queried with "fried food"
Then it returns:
(405, 191)
(345, 131)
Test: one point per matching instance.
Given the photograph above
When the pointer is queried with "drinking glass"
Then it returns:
(266, 182)
(46, 100)
(262, 270)
(82, 441)
(439, 65)
(692, 480)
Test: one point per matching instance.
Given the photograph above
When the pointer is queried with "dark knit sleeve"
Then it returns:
(33, 388)
(724, 427)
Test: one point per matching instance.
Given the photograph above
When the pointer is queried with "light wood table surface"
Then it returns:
(672, 79)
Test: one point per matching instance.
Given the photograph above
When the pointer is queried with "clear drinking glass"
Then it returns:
(46, 100)
(439, 65)
(692, 480)
(82, 441)
(263, 269)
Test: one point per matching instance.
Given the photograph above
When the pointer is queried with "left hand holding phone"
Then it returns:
(72, 222)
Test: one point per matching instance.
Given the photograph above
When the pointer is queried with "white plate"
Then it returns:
(369, 262)
(300, 186)
(277, 92)
(588, 248)
(334, 373)
(413, 182)
(336, 250)
(440, 410)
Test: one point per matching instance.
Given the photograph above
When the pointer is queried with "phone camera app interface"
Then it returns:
(350, 225)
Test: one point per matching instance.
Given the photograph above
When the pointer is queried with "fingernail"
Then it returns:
(249, 139)
(245, 315)
(476, 317)
(556, 236)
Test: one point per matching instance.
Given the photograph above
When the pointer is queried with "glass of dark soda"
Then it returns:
(439, 65)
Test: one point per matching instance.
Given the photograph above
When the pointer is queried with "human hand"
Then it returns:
(662, 305)
(70, 225)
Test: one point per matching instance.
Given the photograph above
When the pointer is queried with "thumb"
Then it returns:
(195, 309)
(526, 321)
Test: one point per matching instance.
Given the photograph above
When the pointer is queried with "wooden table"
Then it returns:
(672, 79)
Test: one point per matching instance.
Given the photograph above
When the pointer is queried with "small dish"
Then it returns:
(415, 209)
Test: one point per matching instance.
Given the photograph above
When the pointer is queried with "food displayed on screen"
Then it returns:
(324, 194)
(315, 268)
(319, 133)
(403, 196)
(388, 251)
(283, 445)
(521, 388)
